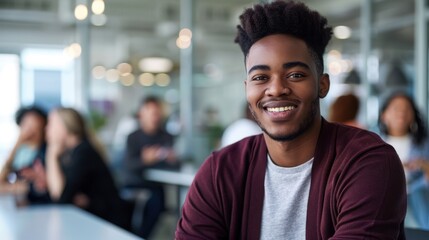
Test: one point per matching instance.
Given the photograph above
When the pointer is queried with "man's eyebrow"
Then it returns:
(258, 67)
(295, 64)
(285, 66)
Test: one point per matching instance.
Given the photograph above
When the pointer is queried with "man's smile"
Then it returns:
(280, 109)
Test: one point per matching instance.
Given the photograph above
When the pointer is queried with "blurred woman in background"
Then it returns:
(402, 127)
(76, 172)
(23, 173)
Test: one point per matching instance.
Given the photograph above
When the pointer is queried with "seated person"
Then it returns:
(23, 172)
(150, 146)
(304, 177)
(402, 126)
(76, 172)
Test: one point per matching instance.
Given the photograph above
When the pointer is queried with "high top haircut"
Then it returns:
(280, 17)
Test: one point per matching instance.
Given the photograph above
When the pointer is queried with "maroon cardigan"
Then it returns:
(357, 190)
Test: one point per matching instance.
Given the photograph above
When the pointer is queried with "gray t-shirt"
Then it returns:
(284, 212)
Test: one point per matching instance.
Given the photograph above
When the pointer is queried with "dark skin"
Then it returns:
(283, 88)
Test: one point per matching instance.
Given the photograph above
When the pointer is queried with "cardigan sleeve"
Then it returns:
(370, 197)
(202, 216)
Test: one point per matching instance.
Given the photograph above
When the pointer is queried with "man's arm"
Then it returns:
(371, 197)
(55, 178)
(202, 216)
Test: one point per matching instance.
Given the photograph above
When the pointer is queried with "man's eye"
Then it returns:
(259, 78)
(296, 75)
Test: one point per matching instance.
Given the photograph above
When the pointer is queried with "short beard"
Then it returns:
(303, 127)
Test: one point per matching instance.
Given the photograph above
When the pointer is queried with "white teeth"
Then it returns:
(280, 109)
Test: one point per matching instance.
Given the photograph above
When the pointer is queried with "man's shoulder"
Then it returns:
(351, 135)
(354, 144)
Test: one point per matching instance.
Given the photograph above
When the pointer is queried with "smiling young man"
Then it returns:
(303, 178)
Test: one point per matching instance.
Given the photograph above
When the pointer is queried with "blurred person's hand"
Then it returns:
(171, 156)
(55, 148)
(418, 164)
(150, 155)
(81, 200)
(20, 187)
(36, 175)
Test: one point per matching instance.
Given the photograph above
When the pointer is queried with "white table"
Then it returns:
(54, 222)
(172, 177)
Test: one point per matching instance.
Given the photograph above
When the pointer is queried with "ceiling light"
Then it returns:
(127, 79)
(124, 68)
(185, 38)
(98, 72)
(98, 7)
(81, 12)
(342, 32)
(156, 65)
(112, 75)
(185, 32)
(73, 51)
(147, 79)
(162, 79)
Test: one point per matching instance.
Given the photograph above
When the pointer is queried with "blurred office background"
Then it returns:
(102, 57)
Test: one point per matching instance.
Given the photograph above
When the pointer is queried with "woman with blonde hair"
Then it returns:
(76, 172)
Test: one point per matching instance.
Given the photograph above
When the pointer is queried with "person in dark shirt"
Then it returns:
(150, 146)
(76, 172)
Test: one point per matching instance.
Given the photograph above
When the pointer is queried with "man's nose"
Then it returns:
(277, 87)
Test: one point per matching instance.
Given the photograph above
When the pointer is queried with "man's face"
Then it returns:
(150, 116)
(32, 127)
(398, 116)
(283, 87)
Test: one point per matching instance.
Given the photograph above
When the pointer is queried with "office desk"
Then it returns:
(54, 222)
(172, 177)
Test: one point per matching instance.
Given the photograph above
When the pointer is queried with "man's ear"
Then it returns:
(324, 84)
